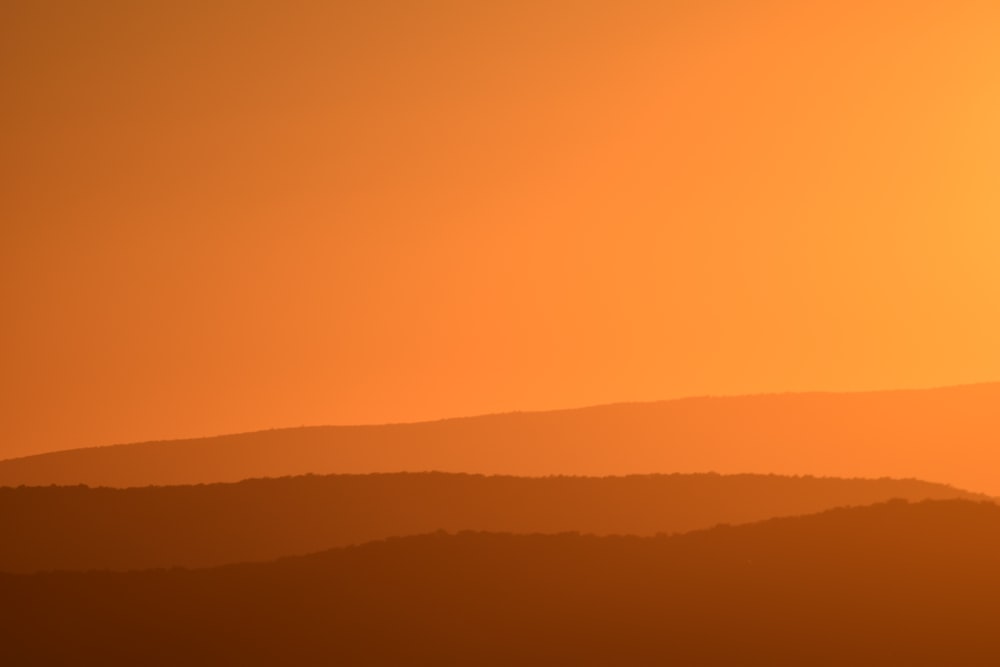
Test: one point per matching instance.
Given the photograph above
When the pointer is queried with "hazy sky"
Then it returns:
(226, 216)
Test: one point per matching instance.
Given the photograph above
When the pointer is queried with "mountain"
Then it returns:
(948, 435)
(889, 584)
(80, 528)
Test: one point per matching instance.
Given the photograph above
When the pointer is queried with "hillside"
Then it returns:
(889, 584)
(948, 435)
(78, 528)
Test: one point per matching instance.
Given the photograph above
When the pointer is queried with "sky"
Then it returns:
(221, 216)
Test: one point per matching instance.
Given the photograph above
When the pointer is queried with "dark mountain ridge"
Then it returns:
(76, 528)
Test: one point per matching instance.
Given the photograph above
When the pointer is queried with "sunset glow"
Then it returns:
(228, 216)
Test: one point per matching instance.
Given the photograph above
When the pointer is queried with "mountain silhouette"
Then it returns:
(947, 435)
(80, 528)
(889, 584)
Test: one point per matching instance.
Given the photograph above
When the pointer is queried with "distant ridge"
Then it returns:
(889, 584)
(947, 434)
(79, 528)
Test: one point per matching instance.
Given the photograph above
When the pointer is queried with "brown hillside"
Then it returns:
(890, 584)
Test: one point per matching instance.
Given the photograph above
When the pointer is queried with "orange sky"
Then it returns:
(225, 216)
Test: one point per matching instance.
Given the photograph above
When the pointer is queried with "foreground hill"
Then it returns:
(889, 584)
(948, 435)
(76, 528)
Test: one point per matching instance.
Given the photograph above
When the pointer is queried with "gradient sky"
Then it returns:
(226, 216)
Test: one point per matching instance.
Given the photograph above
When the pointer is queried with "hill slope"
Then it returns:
(77, 528)
(889, 584)
(948, 435)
